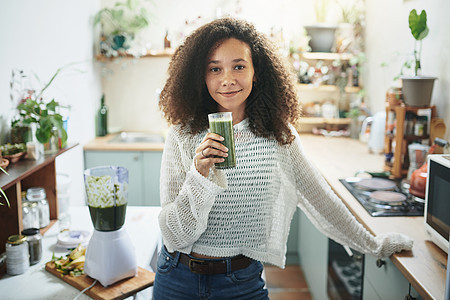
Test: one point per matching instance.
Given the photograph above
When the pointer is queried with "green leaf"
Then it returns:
(418, 24)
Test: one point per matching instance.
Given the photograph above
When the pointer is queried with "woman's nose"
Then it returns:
(228, 78)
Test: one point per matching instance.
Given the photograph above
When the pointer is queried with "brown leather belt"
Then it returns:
(210, 267)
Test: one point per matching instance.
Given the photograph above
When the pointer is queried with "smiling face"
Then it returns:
(229, 76)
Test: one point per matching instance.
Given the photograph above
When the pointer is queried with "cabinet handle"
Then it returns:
(136, 157)
(380, 263)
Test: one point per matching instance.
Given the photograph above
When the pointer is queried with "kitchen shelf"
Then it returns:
(397, 143)
(326, 88)
(23, 175)
(325, 56)
(150, 54)
(325, 121)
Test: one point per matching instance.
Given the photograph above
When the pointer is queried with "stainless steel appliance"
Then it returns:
(345, 272)
(384, 197)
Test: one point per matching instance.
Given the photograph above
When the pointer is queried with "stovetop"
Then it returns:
(409, 207)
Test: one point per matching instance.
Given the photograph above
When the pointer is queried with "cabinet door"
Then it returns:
(152, 168)
(386, 282)
(129, 159)
(313, 253)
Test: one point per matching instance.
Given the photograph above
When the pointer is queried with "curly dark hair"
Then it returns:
(271, 106)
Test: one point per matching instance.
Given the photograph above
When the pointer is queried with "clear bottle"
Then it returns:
(102, 118)
(37, 194)
(17, 255)
(34, 240)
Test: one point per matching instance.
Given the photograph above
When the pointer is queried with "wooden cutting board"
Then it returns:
(119, 290)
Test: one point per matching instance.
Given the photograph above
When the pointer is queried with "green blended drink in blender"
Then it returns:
(107, 194)
(222, 124)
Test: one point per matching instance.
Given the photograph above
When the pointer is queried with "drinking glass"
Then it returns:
(222, 124)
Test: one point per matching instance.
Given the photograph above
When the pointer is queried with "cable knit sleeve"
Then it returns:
(186, 196)
(329, 214)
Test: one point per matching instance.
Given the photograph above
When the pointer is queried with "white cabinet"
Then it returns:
(385, 282)
(143, 171)
(313, 254)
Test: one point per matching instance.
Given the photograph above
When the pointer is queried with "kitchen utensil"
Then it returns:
(376, 184)
(110, 254)
(376, 137)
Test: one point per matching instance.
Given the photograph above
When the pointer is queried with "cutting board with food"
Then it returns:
(70, 269)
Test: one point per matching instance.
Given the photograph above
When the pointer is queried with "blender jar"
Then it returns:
(107, 196)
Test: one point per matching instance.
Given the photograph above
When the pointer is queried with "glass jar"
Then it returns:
(30, 215)
(37, 194)
(17, 255)
(34, 240)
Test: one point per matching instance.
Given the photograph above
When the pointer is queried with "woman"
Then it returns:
(219, 226)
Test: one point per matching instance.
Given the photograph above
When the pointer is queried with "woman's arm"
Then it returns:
(329, 214)
(186, 196)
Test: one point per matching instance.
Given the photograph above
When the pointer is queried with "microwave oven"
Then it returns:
(437, 200)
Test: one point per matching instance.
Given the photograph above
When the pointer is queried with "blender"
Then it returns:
(110, 254)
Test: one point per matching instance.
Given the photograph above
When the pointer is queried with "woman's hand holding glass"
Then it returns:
(209, 152)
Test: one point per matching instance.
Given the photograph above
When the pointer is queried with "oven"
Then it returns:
(345, 272)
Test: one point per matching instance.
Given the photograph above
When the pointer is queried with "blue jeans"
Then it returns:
(175, 281)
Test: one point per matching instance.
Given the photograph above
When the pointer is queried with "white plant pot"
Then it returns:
(322, 37)
(417, 90)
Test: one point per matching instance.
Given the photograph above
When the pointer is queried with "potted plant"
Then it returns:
(321, 33)
(120, 24)
(417, 89)
(46, 116)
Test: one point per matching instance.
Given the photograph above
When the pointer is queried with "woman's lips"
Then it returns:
(229, 94)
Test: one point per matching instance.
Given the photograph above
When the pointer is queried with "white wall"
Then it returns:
(42, 36)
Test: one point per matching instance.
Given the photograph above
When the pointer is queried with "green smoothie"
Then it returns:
(224, 128)
(108, 218)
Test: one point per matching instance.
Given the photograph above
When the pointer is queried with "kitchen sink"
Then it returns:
(136, 137)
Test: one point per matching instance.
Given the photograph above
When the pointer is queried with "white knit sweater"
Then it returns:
(248, 209)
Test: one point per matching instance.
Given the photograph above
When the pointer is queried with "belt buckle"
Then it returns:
(196, 261)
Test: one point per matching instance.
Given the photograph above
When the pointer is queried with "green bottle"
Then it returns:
(102, 118)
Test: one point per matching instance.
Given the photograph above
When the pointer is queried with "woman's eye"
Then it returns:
(214, 69)
(239, 67)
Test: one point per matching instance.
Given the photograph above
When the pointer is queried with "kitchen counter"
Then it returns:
(104, 143)
(142, 226)
(336, 158)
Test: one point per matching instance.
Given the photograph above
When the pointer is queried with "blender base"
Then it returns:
(110, 257)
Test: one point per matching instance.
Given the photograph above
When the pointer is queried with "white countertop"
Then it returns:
(36, 283)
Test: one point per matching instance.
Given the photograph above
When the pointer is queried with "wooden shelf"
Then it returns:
(326, 56)
(150, 54)
(399, 166)
(326, 88)
(325, 121)
(23, 175)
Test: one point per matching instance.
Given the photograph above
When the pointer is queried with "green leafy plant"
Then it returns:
(2, 193)
(419, 30)
(47, 115)
(44, 114)
(124, 17)
(121, 23)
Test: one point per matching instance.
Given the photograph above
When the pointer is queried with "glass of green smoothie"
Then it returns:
(107, 196)
(222, 124)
